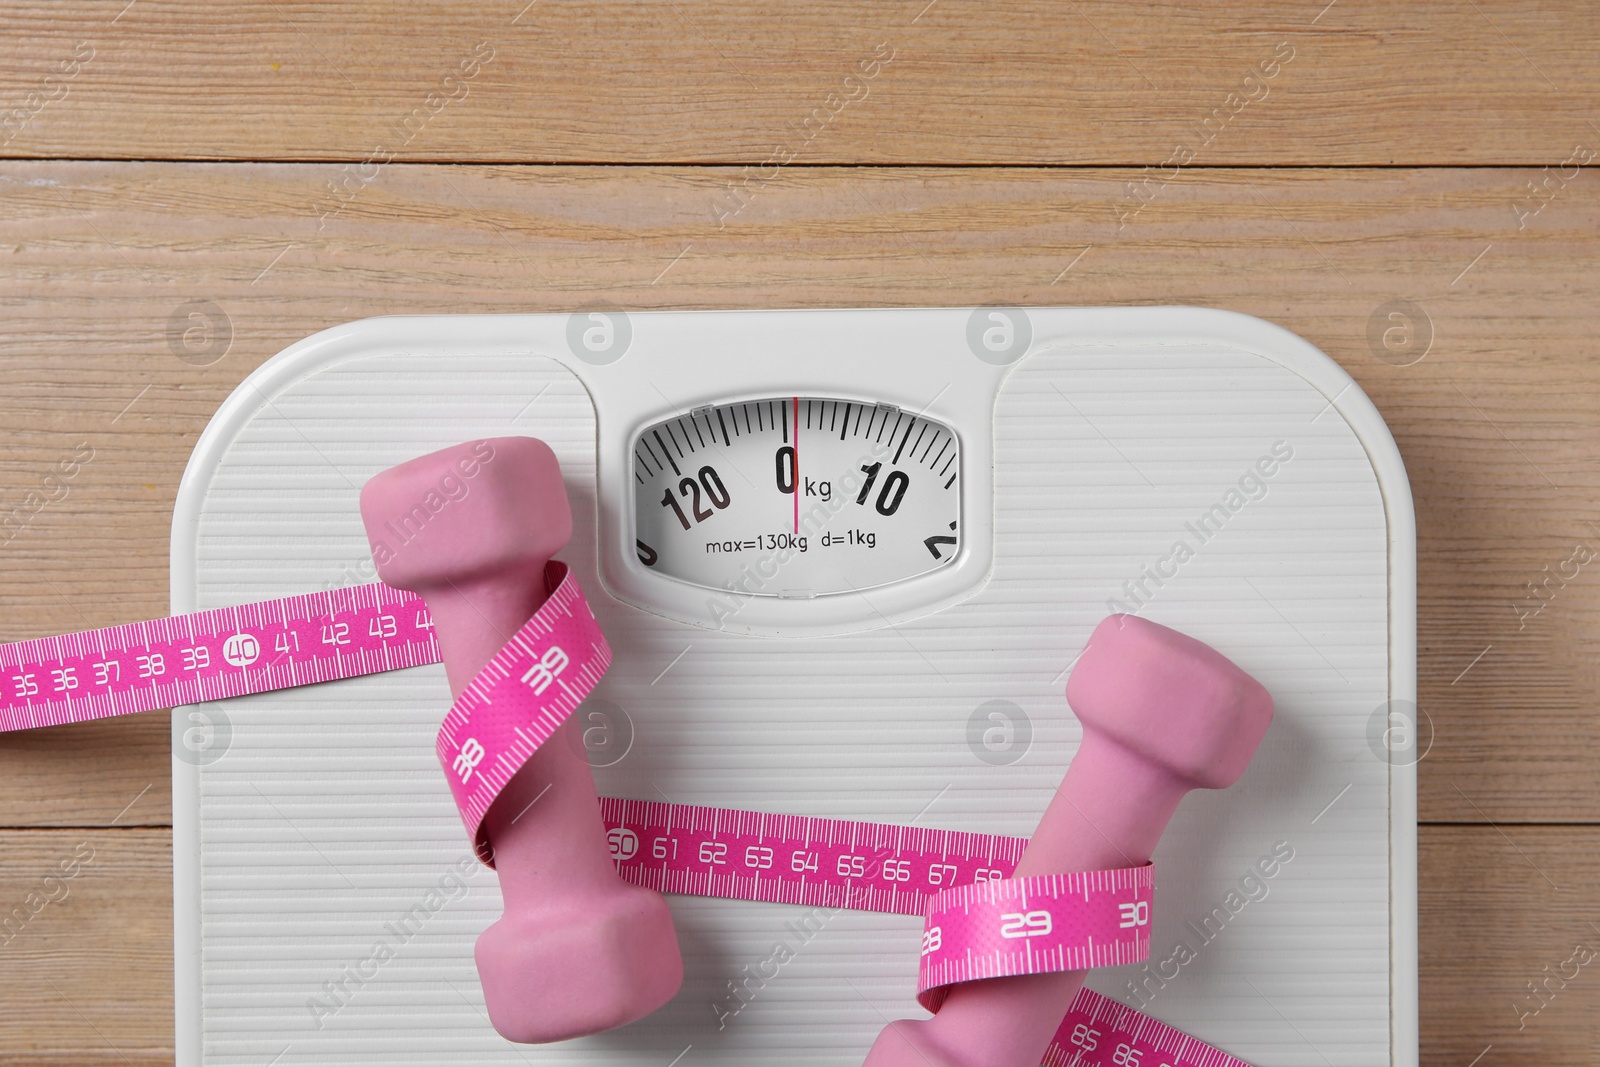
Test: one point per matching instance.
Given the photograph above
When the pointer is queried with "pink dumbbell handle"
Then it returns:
(1109, 811)
(551, 801)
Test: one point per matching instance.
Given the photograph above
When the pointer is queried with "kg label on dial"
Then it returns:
(796, 496)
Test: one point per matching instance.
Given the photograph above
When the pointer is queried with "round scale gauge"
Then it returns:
(796, 496)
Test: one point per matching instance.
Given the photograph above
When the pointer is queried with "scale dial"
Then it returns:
(796, 496)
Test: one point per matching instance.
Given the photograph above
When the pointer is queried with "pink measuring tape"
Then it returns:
(516, 702)
(980, 922)
(1053, 922)
(212, 655)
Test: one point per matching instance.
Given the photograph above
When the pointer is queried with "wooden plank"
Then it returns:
(1279, 82)
(90, 975)
(86, 940)
(1496, 423)
(114, 772)
(1500, 913)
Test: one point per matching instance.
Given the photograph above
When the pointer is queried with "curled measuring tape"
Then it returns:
(1054, 922)
(517, 701)
(980, 922)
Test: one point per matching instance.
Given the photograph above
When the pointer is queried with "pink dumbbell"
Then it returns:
(578, 951)
(1162, 714)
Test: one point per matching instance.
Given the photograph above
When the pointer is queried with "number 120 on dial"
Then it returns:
(796, 496)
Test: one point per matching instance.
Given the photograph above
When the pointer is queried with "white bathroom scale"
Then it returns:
(845, 561)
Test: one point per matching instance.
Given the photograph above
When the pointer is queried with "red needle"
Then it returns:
(796, 448)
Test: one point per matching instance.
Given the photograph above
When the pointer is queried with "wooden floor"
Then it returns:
(185, 189)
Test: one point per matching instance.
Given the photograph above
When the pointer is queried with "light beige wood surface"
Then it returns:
(87, 954)
(1499, 423)
(1035, 81)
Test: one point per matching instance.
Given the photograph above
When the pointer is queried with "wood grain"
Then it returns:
(1496, 424)
(86, 947)
(696, 81)
(1500, 911)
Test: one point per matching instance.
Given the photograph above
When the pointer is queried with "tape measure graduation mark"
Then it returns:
(212, 655)
(1055, 922)
(1099, 1032)
(519, 700)
(796, 859)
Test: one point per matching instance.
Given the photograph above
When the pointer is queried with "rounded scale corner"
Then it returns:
(1237, 330)
(487, 334)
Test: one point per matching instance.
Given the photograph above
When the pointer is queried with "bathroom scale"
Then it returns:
(845, 561)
